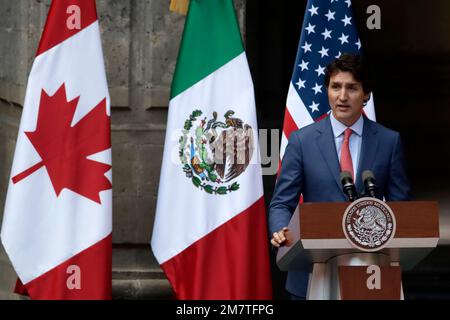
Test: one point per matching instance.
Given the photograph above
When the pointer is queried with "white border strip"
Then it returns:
(345, 244)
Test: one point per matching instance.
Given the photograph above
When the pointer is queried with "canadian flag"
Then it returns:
(58, 214)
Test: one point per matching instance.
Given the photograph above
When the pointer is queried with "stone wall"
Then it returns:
(9, 115)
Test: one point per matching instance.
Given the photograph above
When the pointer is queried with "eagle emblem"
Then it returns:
(369, 224)
(214, 152)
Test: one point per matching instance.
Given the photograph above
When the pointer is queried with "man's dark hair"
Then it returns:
(352, 63)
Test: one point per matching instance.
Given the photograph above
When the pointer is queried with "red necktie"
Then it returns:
(346, 157)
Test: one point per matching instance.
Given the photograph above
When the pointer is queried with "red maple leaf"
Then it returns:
(64, 149)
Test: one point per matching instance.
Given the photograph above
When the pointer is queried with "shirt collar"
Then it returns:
(338, 127)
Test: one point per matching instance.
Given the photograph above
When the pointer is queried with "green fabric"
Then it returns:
(211, 38)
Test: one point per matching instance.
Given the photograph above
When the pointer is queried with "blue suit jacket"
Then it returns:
(311, 167)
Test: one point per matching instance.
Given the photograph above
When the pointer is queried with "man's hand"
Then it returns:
(281, 238)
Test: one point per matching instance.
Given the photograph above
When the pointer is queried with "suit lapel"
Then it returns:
(368, 153)
(327, 147)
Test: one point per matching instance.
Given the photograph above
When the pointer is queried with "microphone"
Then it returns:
(348, 186)
(369, 183)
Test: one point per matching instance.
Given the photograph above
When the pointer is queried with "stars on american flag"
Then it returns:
(317, 88)
(323, 52)
(306, 47)
(314, 106)
(304, 65)
(346, 21)
(310, 28)
(326, 34)
(320, 70)
(300, 83)
(343, 38)
(329, 31)
(330, 15)
(313, 10)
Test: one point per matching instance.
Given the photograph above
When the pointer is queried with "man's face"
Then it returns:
(346, 97)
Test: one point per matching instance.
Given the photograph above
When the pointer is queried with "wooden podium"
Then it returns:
(341, 271)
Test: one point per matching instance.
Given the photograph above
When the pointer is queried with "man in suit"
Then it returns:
(346, 140)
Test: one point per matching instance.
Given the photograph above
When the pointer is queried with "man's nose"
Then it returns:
(343, 94)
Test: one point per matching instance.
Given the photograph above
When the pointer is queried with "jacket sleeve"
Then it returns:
(288, 187)
(398, 188)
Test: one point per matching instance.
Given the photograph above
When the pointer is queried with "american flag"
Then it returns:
(328, 31)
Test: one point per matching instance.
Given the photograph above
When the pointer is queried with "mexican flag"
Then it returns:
(210, 234)
(58, 214)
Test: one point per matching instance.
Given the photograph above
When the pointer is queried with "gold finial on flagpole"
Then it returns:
(179, 6)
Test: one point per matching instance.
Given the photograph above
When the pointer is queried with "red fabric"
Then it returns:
(289, 124)
(20, 288)
(56, 30)
(346, 157)
(88, 136)
(95, 274)
(222, 264)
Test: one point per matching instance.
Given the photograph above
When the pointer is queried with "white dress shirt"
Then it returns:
(355, 139)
